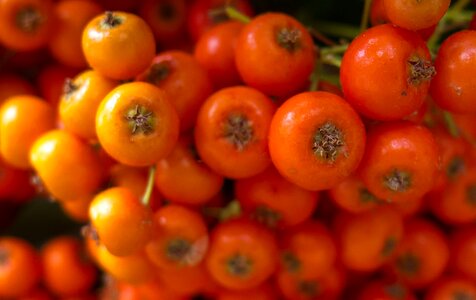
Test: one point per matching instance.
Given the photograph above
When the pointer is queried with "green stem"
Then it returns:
(313, 86)
(450, 124)
(364, 21)
(460, 5)
(150, 186)
(338, 49)
(234, 14)
(337, 29)
(232, 210)
(331, 60)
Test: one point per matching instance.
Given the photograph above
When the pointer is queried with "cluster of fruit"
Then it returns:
(225, 165)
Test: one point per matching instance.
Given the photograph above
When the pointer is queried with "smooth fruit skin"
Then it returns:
(386, 290)
(65, 43)
(183, 178)
(351, 195)
(215, 51)
(184, 80)
(451, 287)
(124, 225)
(33, 36)
(293, 129)
(380, 55)
(404, 148)
(463, 252)
(67, 271)
(271, 199)
(415, 15)
(78, 107)
(120, 51)
(451, 88)
(14, 85)
(235, 154)
(253, 243)
(67, 166)
(20, 267)
(142, 146)
(265, 64)
(22, 120)
(413, 264)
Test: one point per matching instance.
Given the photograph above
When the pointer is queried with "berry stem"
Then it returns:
(314, 78)
(234, 14)
(331, 60)
(337, 29)
(450, 124)
(460, 5)
(337, 49)
(364, 21)
(232, 210)
(150, 185)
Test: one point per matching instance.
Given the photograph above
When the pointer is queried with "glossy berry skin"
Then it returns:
(119, 45)
(316, 140)
(401, 161)
(451, 88)
(20, 267)
(275, 54)
(451, 287)
(242, 254)
(124, 225)
(415, 15)
(382, 55)
(463, 252)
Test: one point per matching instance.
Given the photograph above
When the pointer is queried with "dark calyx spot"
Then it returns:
(239, 265)
(471, 194)
(389, 246)
(267, 216)
(69, 88)
(291, 262)
(420, 70)
(328, 142)
(455, 167)
(238, 130)
(289, 38)
(111, 20)
(408, 264)
(308, 288)
(166, 11)
(395, 291)
(140, 120)
(366, 196)
(158, 72)
(28, 19)
(178, 249)
(88, 231)
(397, 181)
(462, 295)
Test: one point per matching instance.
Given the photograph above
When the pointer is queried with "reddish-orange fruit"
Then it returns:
(67, 270)
(265, 291)
(414, 15)
(463, 252)
(124, 225)
(50, 82)
(215, 51)
(118, 45)
(189, 280)
(20, 268)
(316, 140)
(231, 134)
(386, 290)
(136, 124)
(180, 239)
(413, 263)
(184, 81)
(275, 54)
(308, 251)
(22, 120)
(368, 240)
(451, 288)
(386, 53)
(15, 184)
(242, 254)
(401, 161)
(80, 100)
(65, 43)
(274, 201)
(183, 178)
(67, 166)
(26, 24)
(78, 209)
